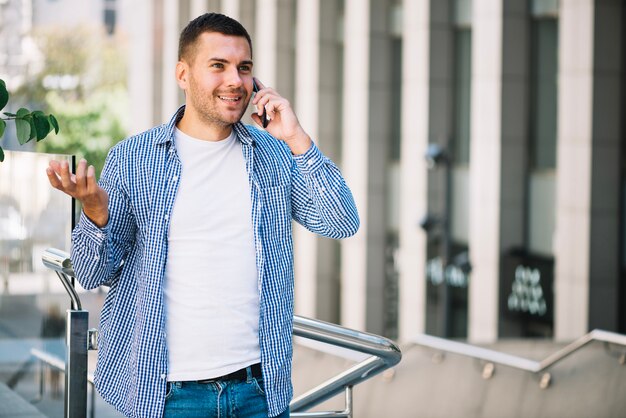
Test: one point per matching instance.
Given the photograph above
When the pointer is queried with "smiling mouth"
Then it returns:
(230, 99)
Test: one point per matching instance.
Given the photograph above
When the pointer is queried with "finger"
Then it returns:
(81, 173)
(55, 166)
(257, 119)
(263, 104)
(271, 108)
(66, 179)
(92, 186)
(53, 178)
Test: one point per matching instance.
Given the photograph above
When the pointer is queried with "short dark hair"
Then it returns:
(209, 22)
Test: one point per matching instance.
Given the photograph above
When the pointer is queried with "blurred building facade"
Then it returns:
(514, 225)
(18, 18)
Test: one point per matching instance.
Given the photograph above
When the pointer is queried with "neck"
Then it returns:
(195, 127)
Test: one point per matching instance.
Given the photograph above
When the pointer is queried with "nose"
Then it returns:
(233, 78)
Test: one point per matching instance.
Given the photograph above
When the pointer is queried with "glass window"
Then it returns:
(544, 93)
(459, 225)
(396, 98)
(544, 7)
(462, 94)
(110, 16)
(463, 12)
(543, 120)
(109, 20)
(33, 218)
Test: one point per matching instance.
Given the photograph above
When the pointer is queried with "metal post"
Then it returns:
(349, 410)
(76, 364)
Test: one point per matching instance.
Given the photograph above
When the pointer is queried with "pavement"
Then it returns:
(14, 406)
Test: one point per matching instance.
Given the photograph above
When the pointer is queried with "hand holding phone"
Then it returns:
(255, 88)
(278, 113)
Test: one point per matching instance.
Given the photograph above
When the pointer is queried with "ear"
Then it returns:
(182, 70)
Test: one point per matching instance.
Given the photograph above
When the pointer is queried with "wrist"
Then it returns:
(97, 217)
(300, 144)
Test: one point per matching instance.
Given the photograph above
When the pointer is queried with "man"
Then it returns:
(190, 226)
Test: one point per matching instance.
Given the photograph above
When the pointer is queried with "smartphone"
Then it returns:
(255, 88)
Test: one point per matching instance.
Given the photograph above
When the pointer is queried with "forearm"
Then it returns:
(93, 257)
(100, 241)
(322, 201)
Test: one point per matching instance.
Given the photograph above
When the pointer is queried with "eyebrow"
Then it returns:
(225, 61)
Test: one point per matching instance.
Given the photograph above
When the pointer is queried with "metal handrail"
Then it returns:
(384, 354)
(60, 262)
(517, 362)
(55, 362)
(78, 339)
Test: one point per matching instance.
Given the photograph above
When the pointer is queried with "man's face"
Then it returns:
(217, 78)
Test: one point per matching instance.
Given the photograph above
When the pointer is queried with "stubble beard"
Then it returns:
(208, 111)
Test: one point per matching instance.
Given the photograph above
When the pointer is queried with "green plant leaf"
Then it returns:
(22, 113)
(1, 155)
(3, 125)
(22, 128)
(4, 94)
(54, 123)
(33, 129)
(42, 126)
(9, 114)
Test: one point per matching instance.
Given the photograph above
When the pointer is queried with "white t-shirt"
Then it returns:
(211, 288)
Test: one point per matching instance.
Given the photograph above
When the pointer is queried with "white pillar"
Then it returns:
(231, 8)
(197, 8)
(355, 158)
(413, 178)
(571, 279)
(588, 176)
(485, 173)
(574, 129)
(171, 32)
(140, 68)
(307, 103)
(265, 42)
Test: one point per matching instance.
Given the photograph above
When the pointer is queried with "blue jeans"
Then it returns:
(217, 399)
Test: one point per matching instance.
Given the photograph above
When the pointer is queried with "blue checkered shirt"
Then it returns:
(141, 176)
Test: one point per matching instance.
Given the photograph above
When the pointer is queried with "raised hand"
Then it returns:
(283, 122)
(81, 186)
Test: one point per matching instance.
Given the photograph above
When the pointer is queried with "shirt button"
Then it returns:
(163, 376)
(175, 178)
(310, 162)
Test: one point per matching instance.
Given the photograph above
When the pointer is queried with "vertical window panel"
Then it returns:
(544, 94)
(543, 114)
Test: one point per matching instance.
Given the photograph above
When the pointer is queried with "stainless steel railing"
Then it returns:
(54, 362)
(492, 357)
(383, 354)
(78, 340)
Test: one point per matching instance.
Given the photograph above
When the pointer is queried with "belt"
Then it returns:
(240, 375)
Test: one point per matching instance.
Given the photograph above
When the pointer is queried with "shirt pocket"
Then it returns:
(276, 219)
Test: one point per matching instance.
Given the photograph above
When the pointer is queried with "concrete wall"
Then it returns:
(590, 383)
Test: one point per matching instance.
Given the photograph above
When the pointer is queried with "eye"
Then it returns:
(245, 68)
(217, 65)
